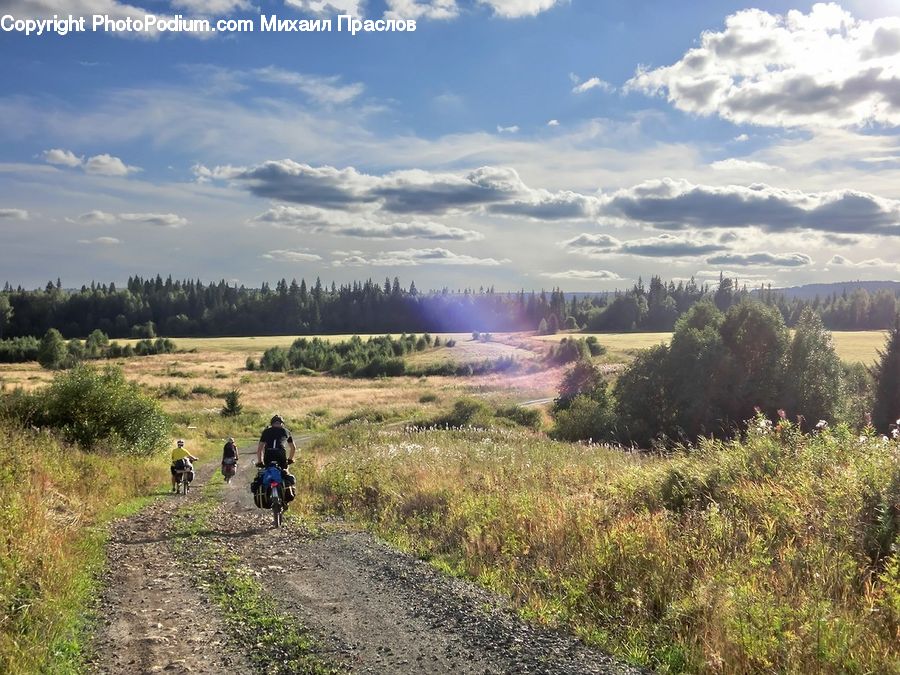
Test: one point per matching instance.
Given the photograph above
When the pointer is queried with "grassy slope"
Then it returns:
(50, 546)
(769, 555)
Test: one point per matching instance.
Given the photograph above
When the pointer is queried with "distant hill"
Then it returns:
(810, 291)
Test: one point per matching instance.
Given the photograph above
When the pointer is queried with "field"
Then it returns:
(851, 346)
(763, 555)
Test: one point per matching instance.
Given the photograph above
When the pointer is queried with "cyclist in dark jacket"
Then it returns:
(271, 444)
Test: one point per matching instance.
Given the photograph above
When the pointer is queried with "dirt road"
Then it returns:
(366, 607)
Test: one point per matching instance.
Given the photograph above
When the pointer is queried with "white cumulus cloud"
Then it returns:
(822, 69)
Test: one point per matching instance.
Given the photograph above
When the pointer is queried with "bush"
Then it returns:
(428, 398)
(451, 343)
(233, 405)
(52, 352)
(94, 408)
(20, 349)
(569, 349)
(594, 347)
(250, 364)
(582, 379)
(524, 417)
(467, 412)
(586, 418)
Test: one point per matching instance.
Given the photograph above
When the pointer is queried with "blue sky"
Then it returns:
(519, 143)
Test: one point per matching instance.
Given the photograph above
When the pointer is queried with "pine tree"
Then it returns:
(887, 382)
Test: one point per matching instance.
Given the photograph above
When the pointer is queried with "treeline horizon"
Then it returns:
(146, 307)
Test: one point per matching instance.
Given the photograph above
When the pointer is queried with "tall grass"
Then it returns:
(775, 553)
(52, 497)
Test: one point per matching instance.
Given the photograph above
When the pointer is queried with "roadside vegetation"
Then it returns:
(75, 454)
(772, 552)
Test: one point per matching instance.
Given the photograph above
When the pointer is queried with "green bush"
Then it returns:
(524, 417)
(94, 408)
(52, 352)
(586, 418)
(232, 406)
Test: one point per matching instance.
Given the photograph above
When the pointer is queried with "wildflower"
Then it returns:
(895, 433)
(782, 414)
(821, 425)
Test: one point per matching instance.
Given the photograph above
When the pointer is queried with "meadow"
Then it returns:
(769, 553)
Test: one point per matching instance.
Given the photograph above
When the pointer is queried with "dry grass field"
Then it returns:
(851, 346)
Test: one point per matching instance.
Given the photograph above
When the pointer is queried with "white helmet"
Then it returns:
(180, 443)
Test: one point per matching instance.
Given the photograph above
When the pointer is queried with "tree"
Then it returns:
(553, 325)
(96, 344)
(887, 382)
(642, 402)
(6, 313)
(582, 379)
(756, 340)
(52, 353)
(233, 405)
(813, 374)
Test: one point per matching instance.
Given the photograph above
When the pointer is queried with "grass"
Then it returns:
(777, 553)
(851, 346)
(52, 543)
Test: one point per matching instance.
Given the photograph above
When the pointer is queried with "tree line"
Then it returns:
(185, 308)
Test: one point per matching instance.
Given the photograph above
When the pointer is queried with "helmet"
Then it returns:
(180, 443)
(230, 439)
(277, 418)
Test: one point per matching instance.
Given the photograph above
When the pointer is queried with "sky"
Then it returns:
(509, 143)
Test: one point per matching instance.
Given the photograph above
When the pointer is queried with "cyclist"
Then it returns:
(181, 461)
(271, 449)
(229, 453)
(271, 444)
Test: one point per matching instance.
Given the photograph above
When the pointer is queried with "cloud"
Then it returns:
(584, 275)
(63, 157)
(733, 164)
(553, 123)
(514, 9)
(211, 7)
(101, 241)
(514, 129)
(494, 190)
(155, 219)
(288, 255)
(102, 165)
(822, 69)
(329, 7)
(592, 83)
(107, 165)
(413, 257)
(327, 90)
(662, 246)
(14, 214)
(422, 9)
(762, 259)
(675, 204)
(741, 138)
(841, 261)
(314, 220)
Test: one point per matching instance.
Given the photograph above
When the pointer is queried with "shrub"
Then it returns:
(586, 418)
(571, 323)
(594, 347)
(233, 405)
(524, 417)
(475, 335)
(250, 364)
(428, 398)
(582, 379)
(467, 412)
(569, 349)
(95, 408)
(20, 349)
(52, 352)
(451, 343)
(203, 390)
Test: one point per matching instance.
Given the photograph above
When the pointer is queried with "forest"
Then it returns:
(192, 308)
